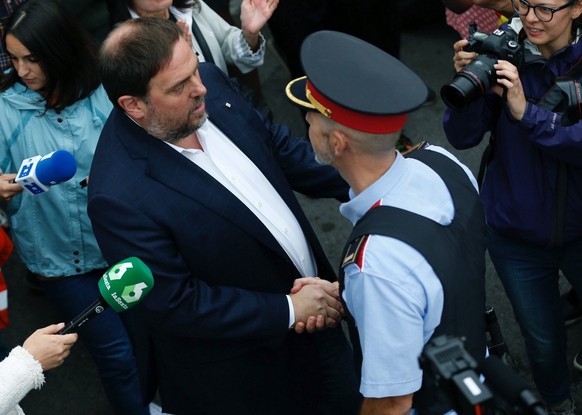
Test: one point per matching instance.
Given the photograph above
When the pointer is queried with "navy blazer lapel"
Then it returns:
(175, 171)
(232, 114)
(238, 120)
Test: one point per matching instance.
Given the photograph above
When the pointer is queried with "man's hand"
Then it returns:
(320, 296)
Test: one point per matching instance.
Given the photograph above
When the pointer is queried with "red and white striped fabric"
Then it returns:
(6, 248)
(487, 20)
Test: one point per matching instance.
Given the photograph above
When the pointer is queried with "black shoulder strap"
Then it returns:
(415, 230)
(374, 222)
(205, 50)
(485, 159)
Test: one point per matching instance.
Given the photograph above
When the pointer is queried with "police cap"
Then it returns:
(355, 83)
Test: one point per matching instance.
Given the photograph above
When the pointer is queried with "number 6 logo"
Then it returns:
(133, 293)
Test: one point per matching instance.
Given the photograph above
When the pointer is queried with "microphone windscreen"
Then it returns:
(126, 283)
(503, 380)
(56, 167)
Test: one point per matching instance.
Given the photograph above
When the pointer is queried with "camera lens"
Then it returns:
(472, 82)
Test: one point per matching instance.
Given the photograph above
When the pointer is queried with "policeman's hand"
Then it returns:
(314, 323)
(8, 189)
(462, 58)
(332, 288)
(315, 308)
(49, 348)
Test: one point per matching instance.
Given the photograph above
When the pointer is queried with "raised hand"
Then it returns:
(253, 16)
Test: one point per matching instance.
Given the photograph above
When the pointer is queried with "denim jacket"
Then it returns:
(51, 231)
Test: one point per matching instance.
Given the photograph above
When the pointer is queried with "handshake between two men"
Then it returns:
(316, 303)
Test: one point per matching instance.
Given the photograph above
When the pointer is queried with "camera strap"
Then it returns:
(566, 88)
(564, 96)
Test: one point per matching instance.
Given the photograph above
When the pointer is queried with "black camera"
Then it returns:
(476, 78)
(446, 363)
(569, 93)
(486, 388)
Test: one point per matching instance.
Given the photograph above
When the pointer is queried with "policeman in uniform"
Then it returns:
(414, 265)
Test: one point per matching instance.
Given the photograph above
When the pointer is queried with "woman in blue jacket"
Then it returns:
(51, 100)
(532, 190)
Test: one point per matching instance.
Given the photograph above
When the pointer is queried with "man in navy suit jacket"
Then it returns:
(189, 178)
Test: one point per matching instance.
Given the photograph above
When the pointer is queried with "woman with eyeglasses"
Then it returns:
(532, 188)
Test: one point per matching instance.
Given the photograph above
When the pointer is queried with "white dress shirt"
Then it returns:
(224, 161)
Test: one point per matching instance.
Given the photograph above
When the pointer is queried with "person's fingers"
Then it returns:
(320, 323)
(299, 327)
(330, 322)
(311, 324)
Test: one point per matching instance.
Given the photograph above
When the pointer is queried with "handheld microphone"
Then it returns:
(38, 173)
(121, 287)
(511, 387)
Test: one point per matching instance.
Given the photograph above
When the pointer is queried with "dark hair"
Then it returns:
(66, 53)
(119, 12)
(576, 24)
(134, 53)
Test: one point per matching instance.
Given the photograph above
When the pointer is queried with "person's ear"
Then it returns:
(134, 107)
(338, 141)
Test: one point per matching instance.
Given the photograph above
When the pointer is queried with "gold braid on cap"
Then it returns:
(318, 106)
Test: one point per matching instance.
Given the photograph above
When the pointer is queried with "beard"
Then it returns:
(172, 130)
(324, 157)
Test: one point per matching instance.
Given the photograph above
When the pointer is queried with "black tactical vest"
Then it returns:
(457, 255)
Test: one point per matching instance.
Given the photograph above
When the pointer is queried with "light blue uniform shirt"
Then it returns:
(52, 232)
(393, 293)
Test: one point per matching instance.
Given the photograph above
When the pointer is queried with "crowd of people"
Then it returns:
(189, 174)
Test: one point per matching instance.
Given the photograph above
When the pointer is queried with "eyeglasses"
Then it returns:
(544, 13)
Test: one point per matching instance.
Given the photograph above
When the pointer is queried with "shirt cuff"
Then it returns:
(245, 53)
(291, 312)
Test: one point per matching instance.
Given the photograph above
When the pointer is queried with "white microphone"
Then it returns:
(38, 173)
